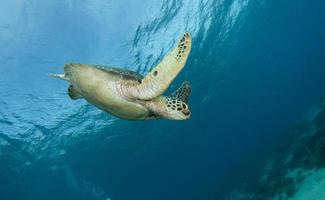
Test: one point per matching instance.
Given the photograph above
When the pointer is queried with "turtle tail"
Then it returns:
(60, 76)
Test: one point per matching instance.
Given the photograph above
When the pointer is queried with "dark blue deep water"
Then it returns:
(257, 68)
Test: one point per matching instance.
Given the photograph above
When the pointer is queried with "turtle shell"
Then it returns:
(124, 73)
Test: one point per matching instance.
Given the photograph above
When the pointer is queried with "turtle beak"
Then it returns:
(187, 113)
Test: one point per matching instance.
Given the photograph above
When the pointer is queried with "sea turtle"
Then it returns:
(129, 95)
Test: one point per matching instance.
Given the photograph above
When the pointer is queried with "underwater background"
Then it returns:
(257, 71)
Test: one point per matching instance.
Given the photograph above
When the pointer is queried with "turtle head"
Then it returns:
(176, 109)
(170, 108)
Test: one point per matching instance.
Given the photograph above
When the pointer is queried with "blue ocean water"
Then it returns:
(256, 68)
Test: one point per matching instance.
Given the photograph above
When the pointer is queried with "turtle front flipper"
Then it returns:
(160, 77)
(182, 93)
(73, 94)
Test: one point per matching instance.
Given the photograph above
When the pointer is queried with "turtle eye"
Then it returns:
(184, 106)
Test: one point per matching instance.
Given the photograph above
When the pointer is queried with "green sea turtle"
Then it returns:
(129, 95)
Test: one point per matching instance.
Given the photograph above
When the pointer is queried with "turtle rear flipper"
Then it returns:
(73, 94)
(159, 78)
